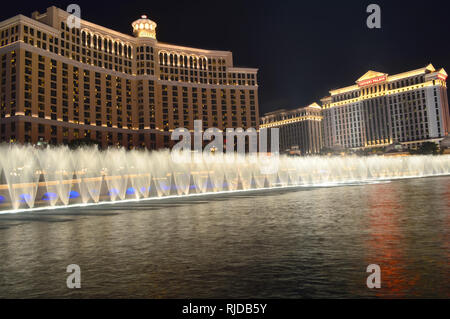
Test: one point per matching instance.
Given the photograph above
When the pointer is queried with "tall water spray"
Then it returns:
(57, 176)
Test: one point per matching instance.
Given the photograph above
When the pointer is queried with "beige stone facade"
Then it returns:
(300, 130)
(59, 84)
(408, 108)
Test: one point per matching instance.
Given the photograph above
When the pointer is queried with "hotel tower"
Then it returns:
(409, 108)
(300, 130)
(60, 84)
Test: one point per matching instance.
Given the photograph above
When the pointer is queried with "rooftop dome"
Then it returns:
(144, 28)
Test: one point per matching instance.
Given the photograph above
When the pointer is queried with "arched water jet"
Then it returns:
(214, 164)
(23, 166)
(22, 173)
(115, 168)
(181, 170)
(283, 172)
(258, 175)
(294, 177)
(231, 171)
(245, 172)
(89, 172)
(140, 173)
(200, 173)
(162, 172)
(49, 165)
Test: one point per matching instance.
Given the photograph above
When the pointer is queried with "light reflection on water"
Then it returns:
(314, 242)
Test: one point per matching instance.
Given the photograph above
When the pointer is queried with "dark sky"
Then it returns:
(302, 48)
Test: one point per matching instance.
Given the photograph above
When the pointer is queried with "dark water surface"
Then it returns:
(302, 243)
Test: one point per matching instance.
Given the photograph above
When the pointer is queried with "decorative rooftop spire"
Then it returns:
(144, 28)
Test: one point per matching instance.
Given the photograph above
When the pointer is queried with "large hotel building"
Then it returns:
(60, 84)
(409, 108)
(299, 129)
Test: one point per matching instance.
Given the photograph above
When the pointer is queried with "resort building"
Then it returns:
(60, 83)
(300, 129)
(409, 108)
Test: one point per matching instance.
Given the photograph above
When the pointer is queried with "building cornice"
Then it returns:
(212, 86)
(389, 92)
(292, 120)
(388, 78)
(313, 107)
(218, 53)
(25, 20)
(239, 69)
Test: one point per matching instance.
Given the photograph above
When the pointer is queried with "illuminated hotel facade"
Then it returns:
(59, 84)
(300, 130)
(409, 108)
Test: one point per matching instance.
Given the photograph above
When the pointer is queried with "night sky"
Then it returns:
(303, 49)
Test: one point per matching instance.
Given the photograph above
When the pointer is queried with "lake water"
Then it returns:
(295, 243)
